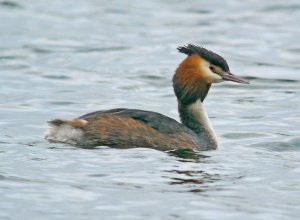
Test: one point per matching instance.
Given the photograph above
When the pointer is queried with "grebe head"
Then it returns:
(198, 71)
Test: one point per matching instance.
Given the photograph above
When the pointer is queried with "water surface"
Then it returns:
(66, 58)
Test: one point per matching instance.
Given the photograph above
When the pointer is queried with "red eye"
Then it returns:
(212, 68)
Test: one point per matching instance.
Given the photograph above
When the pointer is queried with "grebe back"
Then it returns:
(128, 128)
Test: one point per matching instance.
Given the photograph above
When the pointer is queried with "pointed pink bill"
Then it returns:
(230, 77)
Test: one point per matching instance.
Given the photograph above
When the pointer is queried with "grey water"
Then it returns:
(62, 59)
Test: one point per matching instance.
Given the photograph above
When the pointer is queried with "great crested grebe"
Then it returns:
(128, 128)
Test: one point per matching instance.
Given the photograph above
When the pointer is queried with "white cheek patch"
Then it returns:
(212, 77)
(208, 74)
(217, 78)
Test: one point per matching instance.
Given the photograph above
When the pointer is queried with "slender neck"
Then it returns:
(194, 117)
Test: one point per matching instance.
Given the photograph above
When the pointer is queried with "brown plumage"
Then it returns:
(111, 130)
(188, 80)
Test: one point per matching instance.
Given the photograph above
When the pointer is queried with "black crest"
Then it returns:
(206, 54)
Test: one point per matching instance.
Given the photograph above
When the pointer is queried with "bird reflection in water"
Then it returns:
(195, 180)
(187, 155)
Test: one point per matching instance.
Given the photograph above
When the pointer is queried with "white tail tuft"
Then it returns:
(64, 133)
